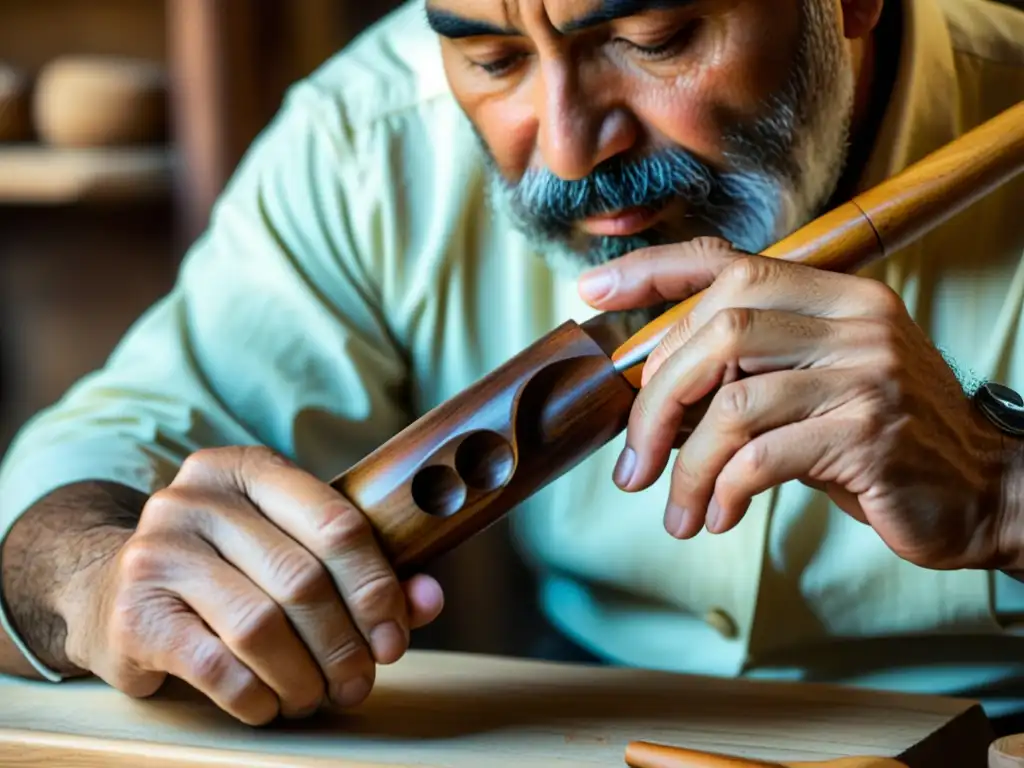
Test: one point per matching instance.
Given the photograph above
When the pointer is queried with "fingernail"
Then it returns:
(675, 519)
(596, 286)
(714, 516)
(353, 692)
(388, 642)
(624, 467)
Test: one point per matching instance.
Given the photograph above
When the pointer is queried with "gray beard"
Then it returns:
(783, 168)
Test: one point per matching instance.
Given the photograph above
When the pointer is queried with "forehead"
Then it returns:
(449, 17)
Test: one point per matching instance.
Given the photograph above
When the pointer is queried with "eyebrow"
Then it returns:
(453, 26)
(611, 10)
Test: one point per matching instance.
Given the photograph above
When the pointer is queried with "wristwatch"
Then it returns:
(1003, 407)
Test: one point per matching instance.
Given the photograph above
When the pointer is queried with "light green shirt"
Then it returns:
(354, 277)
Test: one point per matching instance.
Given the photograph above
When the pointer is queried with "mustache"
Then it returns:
(619, 183)
(741, 204)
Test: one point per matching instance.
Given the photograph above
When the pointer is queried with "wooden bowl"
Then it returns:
(1007, 752)
(97, 101)
(15, 105)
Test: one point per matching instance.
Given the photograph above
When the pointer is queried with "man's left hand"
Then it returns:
(812, 376)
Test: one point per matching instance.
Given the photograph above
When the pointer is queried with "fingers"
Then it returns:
(341, 537)
(255, 627)
(656, 275)
(739, 413)
(198, 657)
(151, 632)
(805, 449)
(330, 528)
(736, 343)
(299, 586)
(769, 284)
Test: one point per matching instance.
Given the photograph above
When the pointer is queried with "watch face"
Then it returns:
(1003, 406)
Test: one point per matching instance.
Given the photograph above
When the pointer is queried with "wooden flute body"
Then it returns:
(463, 465)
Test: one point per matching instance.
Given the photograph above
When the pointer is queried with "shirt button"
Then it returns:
(722, 623)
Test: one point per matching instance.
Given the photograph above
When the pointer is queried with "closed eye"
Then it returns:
(501, 66)
(667, 48)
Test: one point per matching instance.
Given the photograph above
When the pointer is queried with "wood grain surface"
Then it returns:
(446, 710)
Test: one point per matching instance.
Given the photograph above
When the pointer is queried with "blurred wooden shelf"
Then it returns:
(35, 175)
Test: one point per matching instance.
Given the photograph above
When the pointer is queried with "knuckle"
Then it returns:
(883, 300)
(300, 578)
(747, 272)
(345, 659)
(730, 324)
(676, 336)
(342, 527)
(752, 459)
(257, 620)
(261, 456)
(375, 593)
(732, 403)
(200, 462)
(164, 507)
(143, 558)
(709, 246)
(213, 666)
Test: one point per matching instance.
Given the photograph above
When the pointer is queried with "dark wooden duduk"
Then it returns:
(463, 465)
(469, 461)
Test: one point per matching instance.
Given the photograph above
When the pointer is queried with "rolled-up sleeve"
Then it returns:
(274, 332)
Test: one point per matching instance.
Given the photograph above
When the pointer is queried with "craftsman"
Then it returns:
(457, 182)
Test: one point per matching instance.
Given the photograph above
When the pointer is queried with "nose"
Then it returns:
(577, 128)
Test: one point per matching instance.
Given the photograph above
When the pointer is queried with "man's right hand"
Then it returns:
(254, 582)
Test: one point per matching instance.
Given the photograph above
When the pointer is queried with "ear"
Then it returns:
(860, 17)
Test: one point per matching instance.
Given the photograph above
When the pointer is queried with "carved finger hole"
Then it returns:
(438, 491)
(485, 461)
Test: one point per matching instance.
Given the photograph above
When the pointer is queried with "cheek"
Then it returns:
(509, 129)
(739, 66)
(680, 113)
(505, 121)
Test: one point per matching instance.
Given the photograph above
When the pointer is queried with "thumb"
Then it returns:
(656, 275)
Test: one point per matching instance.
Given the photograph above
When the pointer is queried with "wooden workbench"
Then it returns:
(457, 711)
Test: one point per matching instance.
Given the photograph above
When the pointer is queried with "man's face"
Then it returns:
(611, 125)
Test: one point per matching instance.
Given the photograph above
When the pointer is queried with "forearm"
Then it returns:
(55, 545)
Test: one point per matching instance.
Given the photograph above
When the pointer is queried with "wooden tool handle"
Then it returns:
(644, 754)
(882, 220)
